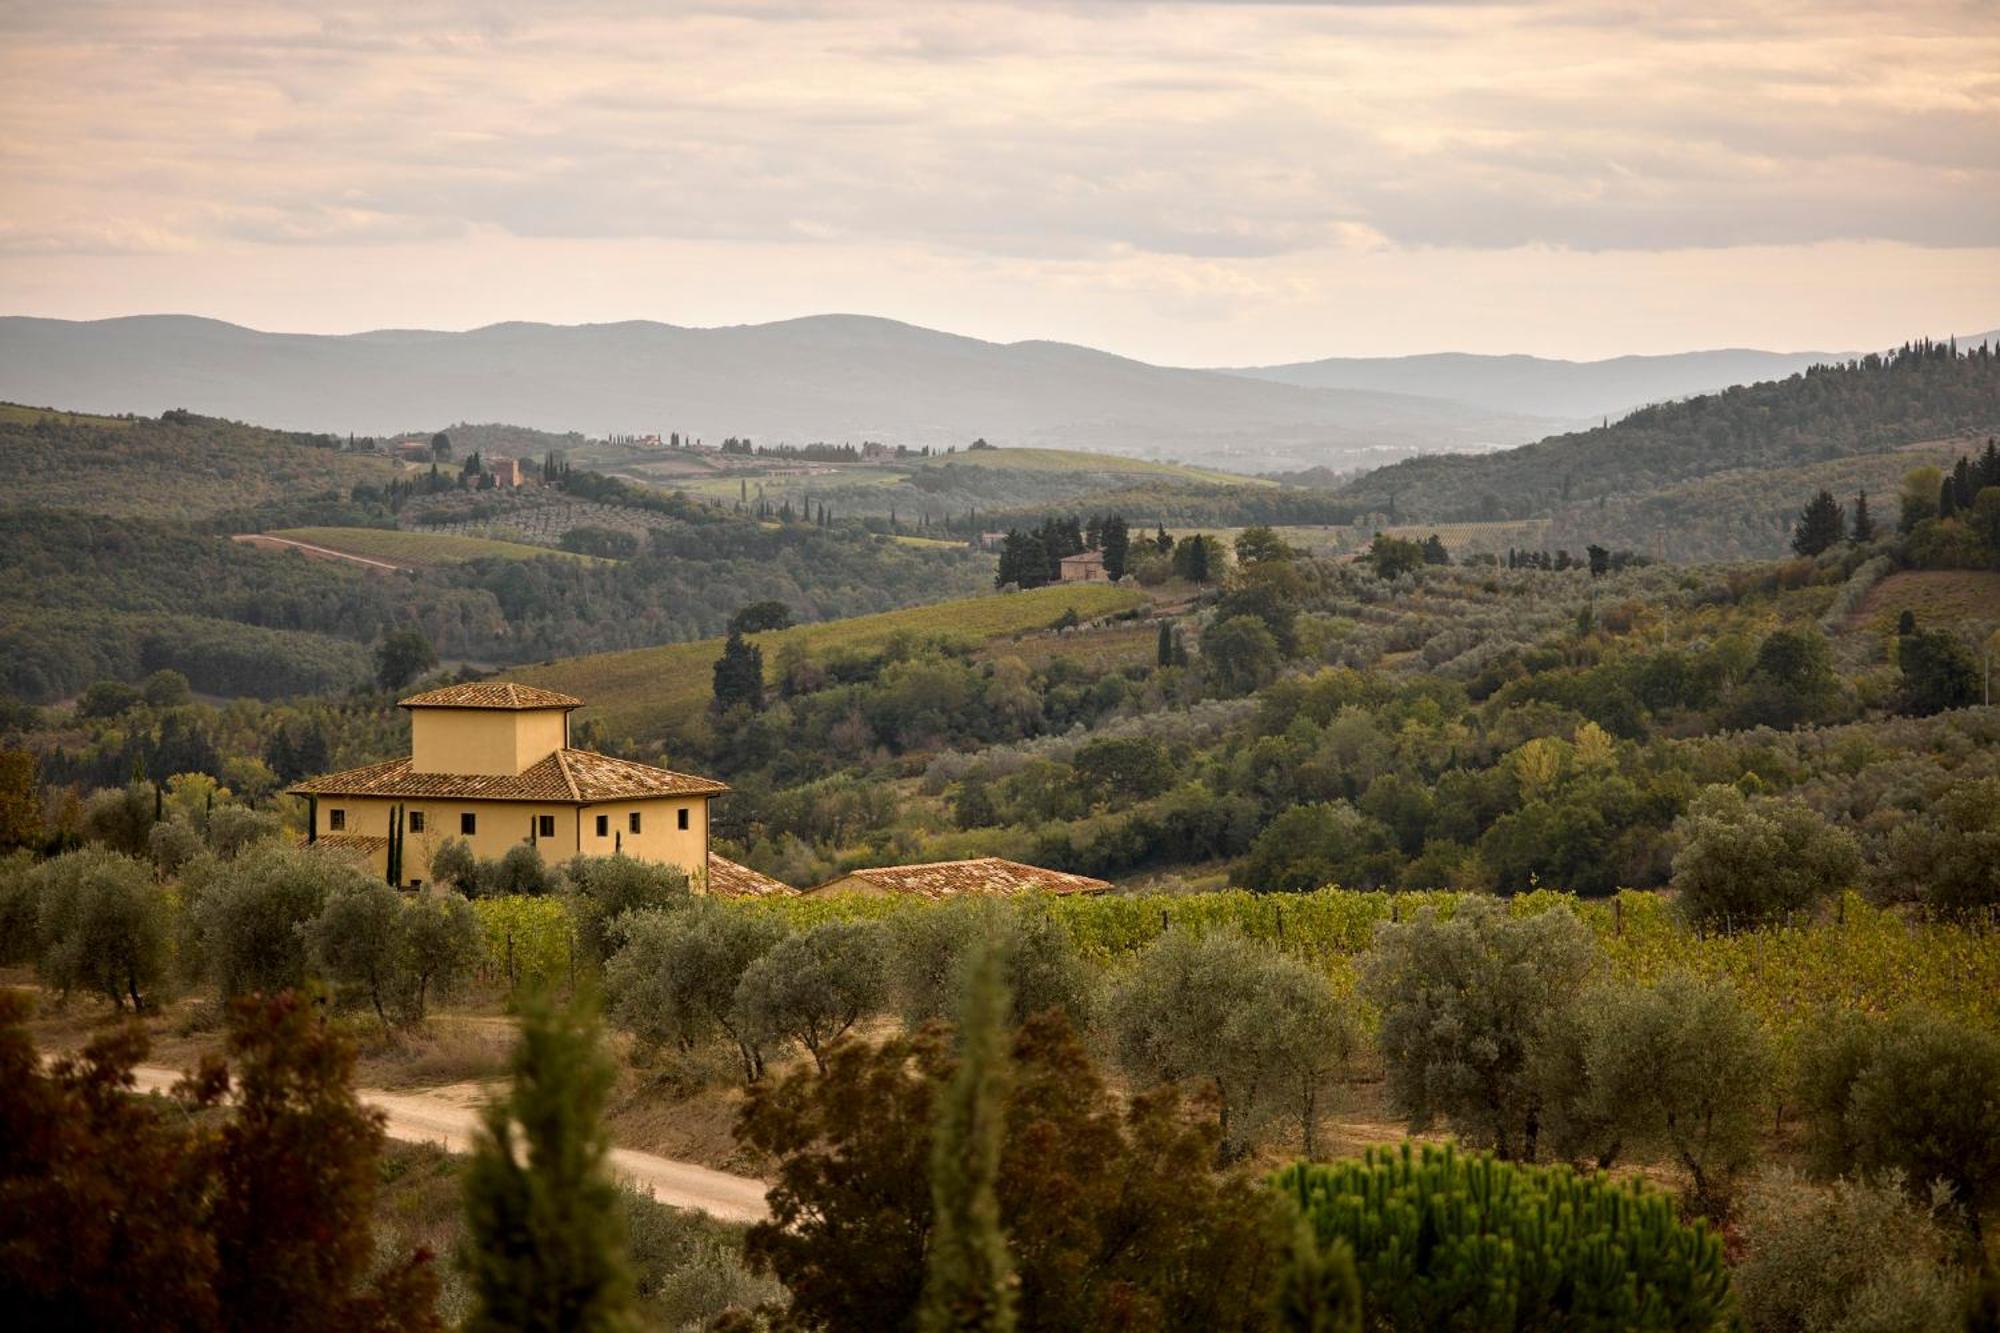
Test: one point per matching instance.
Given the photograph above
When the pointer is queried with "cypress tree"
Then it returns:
(969, 1280)
(545, 1244)
(1864, 526)
(1820, 527)
(1165, 653)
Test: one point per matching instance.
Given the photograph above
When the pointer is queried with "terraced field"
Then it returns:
(633, 693)
(1938, 597)
(1070, 460)
(418, 550)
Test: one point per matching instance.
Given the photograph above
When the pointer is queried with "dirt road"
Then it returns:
(449, 1115)
(270, 543)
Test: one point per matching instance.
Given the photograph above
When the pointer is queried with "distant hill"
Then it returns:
(1596, 483)
(1540, 386)
(840, 378)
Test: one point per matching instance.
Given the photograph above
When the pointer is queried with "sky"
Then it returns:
(1194, 184)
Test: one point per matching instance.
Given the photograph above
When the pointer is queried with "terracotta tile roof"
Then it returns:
(989, 875)
(566, 777)
(1084, 557)
(359, 846)
(726, 879)
(491, 694)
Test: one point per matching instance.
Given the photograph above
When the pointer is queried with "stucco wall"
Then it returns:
(500, 825)
(483, 740)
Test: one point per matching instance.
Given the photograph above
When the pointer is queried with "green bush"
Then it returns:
(1447, 1240)
(101, 925)
(601, 889)
(1743, 862)
(813, 987)
(252, 914)
(932, 949)
(673, 979)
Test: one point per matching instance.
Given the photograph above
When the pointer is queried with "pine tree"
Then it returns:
(1864, 526)
(545, 1244)
(969, 1281)
(739, 675)
(1820, 527)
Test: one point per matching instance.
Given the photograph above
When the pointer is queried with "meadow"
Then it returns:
(637, 692)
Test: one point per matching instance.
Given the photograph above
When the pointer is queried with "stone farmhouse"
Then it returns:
(491, 763)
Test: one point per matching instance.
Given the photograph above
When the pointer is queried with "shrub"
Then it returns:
(1679, 1066)
(1265, 1029)
(1039, 965)
(252, 914)
(673, 980)
(518, 873)
(1743, 862)
(813, 987)
(1114, 1216)
(101, 925)
(1854, 1257)
(1445, 1239)
(1464, 1003)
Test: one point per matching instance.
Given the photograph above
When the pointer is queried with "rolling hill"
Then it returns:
(830, 377)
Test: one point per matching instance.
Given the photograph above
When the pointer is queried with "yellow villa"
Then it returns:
(491, 763)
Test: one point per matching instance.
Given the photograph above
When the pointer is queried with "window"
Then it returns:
(604, 826)
(634, 818)
(545, 826)
(416, 821)
(468, 824)
(416, 884)
(684, 816)
(336, 820)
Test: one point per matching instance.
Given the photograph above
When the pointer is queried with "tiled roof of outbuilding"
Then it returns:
(349, 844)
(726, 879)
(491, 694)
(989, 876)
(566, 777)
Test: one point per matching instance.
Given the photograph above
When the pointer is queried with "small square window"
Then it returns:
(416, 884)
(416, 821)
(634, 818)
(468, 824)
(545, 826)
(684, 816)
(336, 820)
(604, 826)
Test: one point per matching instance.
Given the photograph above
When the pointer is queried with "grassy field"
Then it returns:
(631, 693)
(1939, 597)
(1071, 460)
(14, 414)
(420, 549)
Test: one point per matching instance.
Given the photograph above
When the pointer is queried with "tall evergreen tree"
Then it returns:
(1863, 528)
(1164, 655)
(1117, 539)
(545, 1244)
(739, 674)
(969, 1281)
(1820, 527)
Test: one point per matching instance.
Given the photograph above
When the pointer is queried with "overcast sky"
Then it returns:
(1188, 183)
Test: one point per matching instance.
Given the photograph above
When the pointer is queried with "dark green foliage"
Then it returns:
(674, 976)
(603, 889)
(401, 657)
(812, 988)
(1862, 529)
(1821, 527)
(545, 1246)
(969, 1281)
(1445, 1239)
(1239, 654)
(1948, 855)
(760, 616)
(1198, 558)
(1319, 1291)
(605, 543)
(739, 675)
(1314, 846)
(1939, 672)
(102, 925)
(1394, 556)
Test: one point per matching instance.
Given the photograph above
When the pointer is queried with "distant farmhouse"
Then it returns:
(1087, 567)
(491, 763)
(986, 877)
(507, 472)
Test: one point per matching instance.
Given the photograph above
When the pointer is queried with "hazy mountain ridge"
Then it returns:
(829, 377)
(1551, 387)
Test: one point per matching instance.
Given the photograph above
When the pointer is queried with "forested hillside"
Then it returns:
(1923, 392)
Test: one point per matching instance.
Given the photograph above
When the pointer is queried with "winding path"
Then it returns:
(449, 1116)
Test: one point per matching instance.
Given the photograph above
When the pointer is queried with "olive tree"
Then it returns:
(1949, 854)
(601, 889)
(357, 940)
(440, 947)
(453, 866)
(101, 925)
(1927, 1104)
(1039, 967)
(673, 980)
(1679, 1067)
(1743, 862)
(815, 986)
(1267, 1031)
(1465, 1001)
(253, 912)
